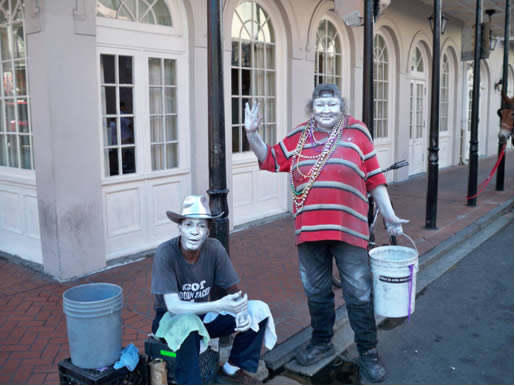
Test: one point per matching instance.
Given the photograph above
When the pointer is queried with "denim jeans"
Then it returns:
(316, 265)
(245, 351)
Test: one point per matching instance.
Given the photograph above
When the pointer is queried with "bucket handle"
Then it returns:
(410, 239)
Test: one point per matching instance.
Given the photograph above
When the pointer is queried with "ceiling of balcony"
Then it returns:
(466, 10)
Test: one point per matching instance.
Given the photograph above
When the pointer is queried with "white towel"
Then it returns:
(258, 311)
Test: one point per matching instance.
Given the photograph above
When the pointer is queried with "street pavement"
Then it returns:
(462, 329)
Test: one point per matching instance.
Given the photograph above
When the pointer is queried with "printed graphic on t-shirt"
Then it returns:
(193, 291)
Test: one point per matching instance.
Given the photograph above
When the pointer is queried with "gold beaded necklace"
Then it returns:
(321, 160)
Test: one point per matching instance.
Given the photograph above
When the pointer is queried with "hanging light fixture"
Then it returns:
(491, 38)
(444, 22)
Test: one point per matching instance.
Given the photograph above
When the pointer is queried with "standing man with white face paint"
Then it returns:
(332, 165)
(184, 271)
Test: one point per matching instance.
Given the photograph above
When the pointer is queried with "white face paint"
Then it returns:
(326, 111)
(193, 233)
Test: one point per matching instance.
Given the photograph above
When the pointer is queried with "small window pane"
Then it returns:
(3, 150)
(127, 130)
(235, 111)
(5, 43)
(10, 119)
(112, 166)
(235, 57)
(125, 69)
(156, 129)
(107, 68)
(171, 155)
(19, 41)
(270, 83)
(169, 72)
(12, 151)
(126, 100)
(236, 139)
(245, 142)
(158, 157)
(23, 116)
(162, 13)
(109, 100)
(128, 160)
(156, 100)
(21, 80)
(154, 72)
(170, 100)
(171, 128)
(8, 79)
(270, 56)
(245, 82)
(235, 81)
(110, 132)
(25, 152)
(245, 54)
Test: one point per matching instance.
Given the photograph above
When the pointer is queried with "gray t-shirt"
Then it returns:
(171, 273)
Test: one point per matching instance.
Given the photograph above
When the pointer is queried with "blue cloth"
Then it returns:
(129, 358)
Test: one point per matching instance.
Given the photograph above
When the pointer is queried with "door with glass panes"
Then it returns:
(145, 152)
(418, 131)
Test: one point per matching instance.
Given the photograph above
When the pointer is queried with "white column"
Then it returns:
(61, 48)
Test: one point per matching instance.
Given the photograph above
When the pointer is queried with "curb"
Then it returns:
(282, 355)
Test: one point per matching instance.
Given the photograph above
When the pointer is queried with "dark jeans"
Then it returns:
(245, 351)
(316, 266)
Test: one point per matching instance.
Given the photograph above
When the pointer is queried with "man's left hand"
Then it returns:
(243, 323)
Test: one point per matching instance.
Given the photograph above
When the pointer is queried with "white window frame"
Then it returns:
(338, 69)
(142, 115)
(445, 78)
(268, 129)
(17, 170)
(386, 79)
(138, 16)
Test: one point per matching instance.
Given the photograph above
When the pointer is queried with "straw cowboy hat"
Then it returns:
(193, 207)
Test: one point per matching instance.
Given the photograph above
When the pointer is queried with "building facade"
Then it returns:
(104, 111)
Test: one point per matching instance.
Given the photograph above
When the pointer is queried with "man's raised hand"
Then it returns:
(252, 118)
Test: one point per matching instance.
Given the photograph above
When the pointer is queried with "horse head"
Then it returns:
(506, 115)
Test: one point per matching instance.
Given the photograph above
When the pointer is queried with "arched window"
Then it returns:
(328, 55)
(253, 72)
(417, 62)
(444, 94)
(141, 11)
(380, 87)
(15, 131)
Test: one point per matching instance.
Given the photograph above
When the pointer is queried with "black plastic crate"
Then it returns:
(73, 375)
(209, 360)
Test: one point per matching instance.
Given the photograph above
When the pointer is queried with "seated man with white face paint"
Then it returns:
(184, 271)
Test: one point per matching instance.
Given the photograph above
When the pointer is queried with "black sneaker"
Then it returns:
(312, 353)
(371, 367)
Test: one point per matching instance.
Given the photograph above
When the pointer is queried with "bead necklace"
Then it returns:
(321, 160)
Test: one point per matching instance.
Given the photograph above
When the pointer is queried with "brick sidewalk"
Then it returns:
(32, 325)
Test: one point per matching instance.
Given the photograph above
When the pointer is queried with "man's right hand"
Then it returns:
(234, 303)
(252, 118)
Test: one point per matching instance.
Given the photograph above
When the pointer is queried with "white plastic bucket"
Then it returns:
(394, 279)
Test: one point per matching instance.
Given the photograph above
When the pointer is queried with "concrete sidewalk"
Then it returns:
(32, 325)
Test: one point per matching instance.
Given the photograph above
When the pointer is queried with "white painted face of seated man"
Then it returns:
(193, 232)
(326, 111)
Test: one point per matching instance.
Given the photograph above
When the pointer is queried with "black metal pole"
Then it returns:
(368, 79)
(216, 131)
(368, 62)
(432, 165)
(473, 154)
(499, 182)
